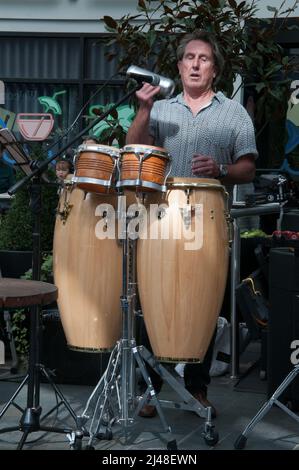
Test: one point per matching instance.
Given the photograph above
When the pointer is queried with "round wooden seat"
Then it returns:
(16, 293)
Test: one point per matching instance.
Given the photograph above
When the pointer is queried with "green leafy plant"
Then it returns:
(249, 46)
(111, 131)
(16, 225)
(20, 332)
(46, 274)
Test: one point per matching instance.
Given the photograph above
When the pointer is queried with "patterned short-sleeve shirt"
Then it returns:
(222, 130)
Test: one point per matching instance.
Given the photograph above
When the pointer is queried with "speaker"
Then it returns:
(70, 367)
(283, 325)
(290, 221)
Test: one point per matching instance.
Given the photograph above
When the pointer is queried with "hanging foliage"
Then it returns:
(249, 45)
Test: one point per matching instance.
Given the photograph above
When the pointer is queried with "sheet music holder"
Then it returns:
(10, 144)
(14, 148)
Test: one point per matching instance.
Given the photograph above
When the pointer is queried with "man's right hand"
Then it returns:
(138, 132)
(145, 95)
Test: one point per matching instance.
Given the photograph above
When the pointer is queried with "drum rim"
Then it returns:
(178, 359)
(83, 179)
(194, 185)
(158, 151)
(89, 349)
(114, 152)
(144, 146)
(141, 183)
(189, 179)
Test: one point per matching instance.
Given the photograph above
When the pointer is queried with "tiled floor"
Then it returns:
(235, 405)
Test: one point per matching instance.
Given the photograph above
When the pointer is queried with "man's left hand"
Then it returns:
(205, 166)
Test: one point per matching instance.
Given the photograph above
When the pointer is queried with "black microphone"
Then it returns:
(166, 85)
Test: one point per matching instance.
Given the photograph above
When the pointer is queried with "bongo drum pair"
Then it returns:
(100, 169)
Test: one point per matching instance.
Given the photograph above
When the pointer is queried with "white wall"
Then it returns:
(264, 13)
(77, 15)
(60, 15)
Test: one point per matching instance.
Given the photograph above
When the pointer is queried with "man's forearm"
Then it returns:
(139, 130)
(240, 172)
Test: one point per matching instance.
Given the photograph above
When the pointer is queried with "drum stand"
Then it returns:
(114, 398)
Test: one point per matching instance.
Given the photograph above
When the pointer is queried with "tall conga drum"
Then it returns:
(182, 264)
(87, 272)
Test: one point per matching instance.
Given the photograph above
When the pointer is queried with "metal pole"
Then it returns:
(125, 335)
(235, 279)
(128, 325)
(132, 291)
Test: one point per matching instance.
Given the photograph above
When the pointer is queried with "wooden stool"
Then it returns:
(17, 293)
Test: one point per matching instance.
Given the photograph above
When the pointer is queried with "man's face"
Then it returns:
(197, 68)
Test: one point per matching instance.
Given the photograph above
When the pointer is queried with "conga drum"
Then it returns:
(182, 264)
(87, 272)
(95, 167)
(143, 167)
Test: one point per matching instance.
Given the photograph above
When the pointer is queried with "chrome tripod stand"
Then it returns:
(114, 399)
(240, 443)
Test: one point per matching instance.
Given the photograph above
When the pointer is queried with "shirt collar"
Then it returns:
(219, 96)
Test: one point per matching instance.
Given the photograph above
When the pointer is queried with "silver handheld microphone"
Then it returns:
(166, 85)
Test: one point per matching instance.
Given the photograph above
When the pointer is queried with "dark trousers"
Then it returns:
(196, 376)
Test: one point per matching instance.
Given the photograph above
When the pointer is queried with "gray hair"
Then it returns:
(209, 38)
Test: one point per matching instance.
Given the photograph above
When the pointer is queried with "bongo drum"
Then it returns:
(182, 263)
(87, 272)
(143, 167)
(95, 167)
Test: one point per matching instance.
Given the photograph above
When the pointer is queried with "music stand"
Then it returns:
(13, 147)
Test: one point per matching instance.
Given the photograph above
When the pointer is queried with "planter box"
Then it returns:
(15, 263)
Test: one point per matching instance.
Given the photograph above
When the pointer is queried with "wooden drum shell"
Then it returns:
(87, 272)
(143, 166)
(181, 291)
(95, 167)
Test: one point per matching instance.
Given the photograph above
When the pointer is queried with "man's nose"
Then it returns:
(195, 63)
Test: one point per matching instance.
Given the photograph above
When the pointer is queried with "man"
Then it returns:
(207, 135)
